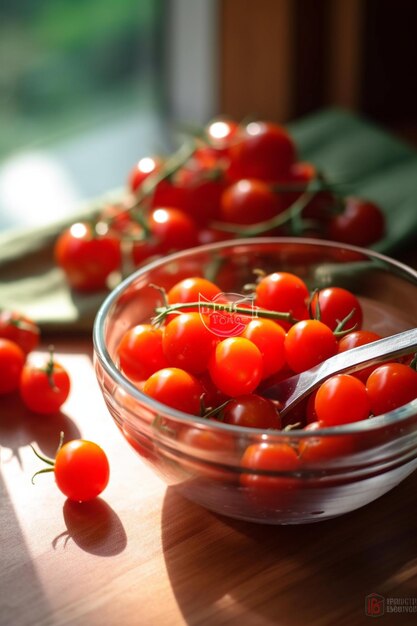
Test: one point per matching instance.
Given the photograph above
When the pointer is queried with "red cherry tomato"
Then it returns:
(191, 289)
(335, 305)
(248, 202)
(362, 223)
(45, 388)
(140, 352)
(283, 291)
(308, 343)
(20, 329)
(251, 411)
(187, 342)
(81, 470)
(236, 366)
(267, 457)
(140, 172)
(269, 337)
(261, 150)
(324, 448)
(355, 339)
(390, 386)
(221, 133)
(12, 359)
(87, 259)
(175, 388)
(341, 399)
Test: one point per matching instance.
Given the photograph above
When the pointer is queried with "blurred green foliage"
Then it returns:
(61, 60)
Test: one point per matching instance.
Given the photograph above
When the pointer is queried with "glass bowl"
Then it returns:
(202, 458)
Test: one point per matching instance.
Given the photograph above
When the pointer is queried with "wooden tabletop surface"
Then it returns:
(143, 555)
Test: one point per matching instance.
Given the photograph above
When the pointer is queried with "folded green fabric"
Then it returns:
(372, 163)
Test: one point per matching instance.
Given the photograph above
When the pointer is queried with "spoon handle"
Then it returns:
(290, 391)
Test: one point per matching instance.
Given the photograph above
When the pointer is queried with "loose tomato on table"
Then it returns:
(81, 469)
(12, 360)
(44, 387)
(87, 257)
(19, 328)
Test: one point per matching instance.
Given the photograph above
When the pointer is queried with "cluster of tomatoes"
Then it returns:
(231, 180)
(207, 356)
(80, 467)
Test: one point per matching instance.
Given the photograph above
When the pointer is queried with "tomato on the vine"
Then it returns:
(342, 399)
(12, 360)
(261, 150)
(249, 201)
(390, 386)
(140, 172)
(362, 223)
(308, 343)
(335, 304)
(236, 366)
(283, 291)
(192, 289)
(44, 388)
(87, 258)
(20, 329)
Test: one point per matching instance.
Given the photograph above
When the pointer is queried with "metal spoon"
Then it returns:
(292, 390)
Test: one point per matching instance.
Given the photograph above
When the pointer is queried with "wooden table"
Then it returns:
(142, 555)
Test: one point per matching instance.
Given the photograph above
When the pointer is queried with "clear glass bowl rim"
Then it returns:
(397, 416)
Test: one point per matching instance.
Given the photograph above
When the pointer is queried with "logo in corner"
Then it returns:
(374, 605)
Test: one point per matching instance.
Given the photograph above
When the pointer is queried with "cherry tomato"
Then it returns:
(251, 411)
(341, 399)
(86, 258)
(12, 360)
(140, 172)
(249, 201)
(269, 337)
(221, 133)
(362, 223)
(45, 388)
(335, 304)
(188, 343)
(283, 291)
(261, 150)
(236, 366)
(275, 490)
(324, 448)
(191, 289)
(20, 329)
(308, 343)
(81, 470)
(176, 388)
(355, 339)
(390, 386)
(140, 352)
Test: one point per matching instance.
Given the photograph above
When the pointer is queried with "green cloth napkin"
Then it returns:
(373, 164)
